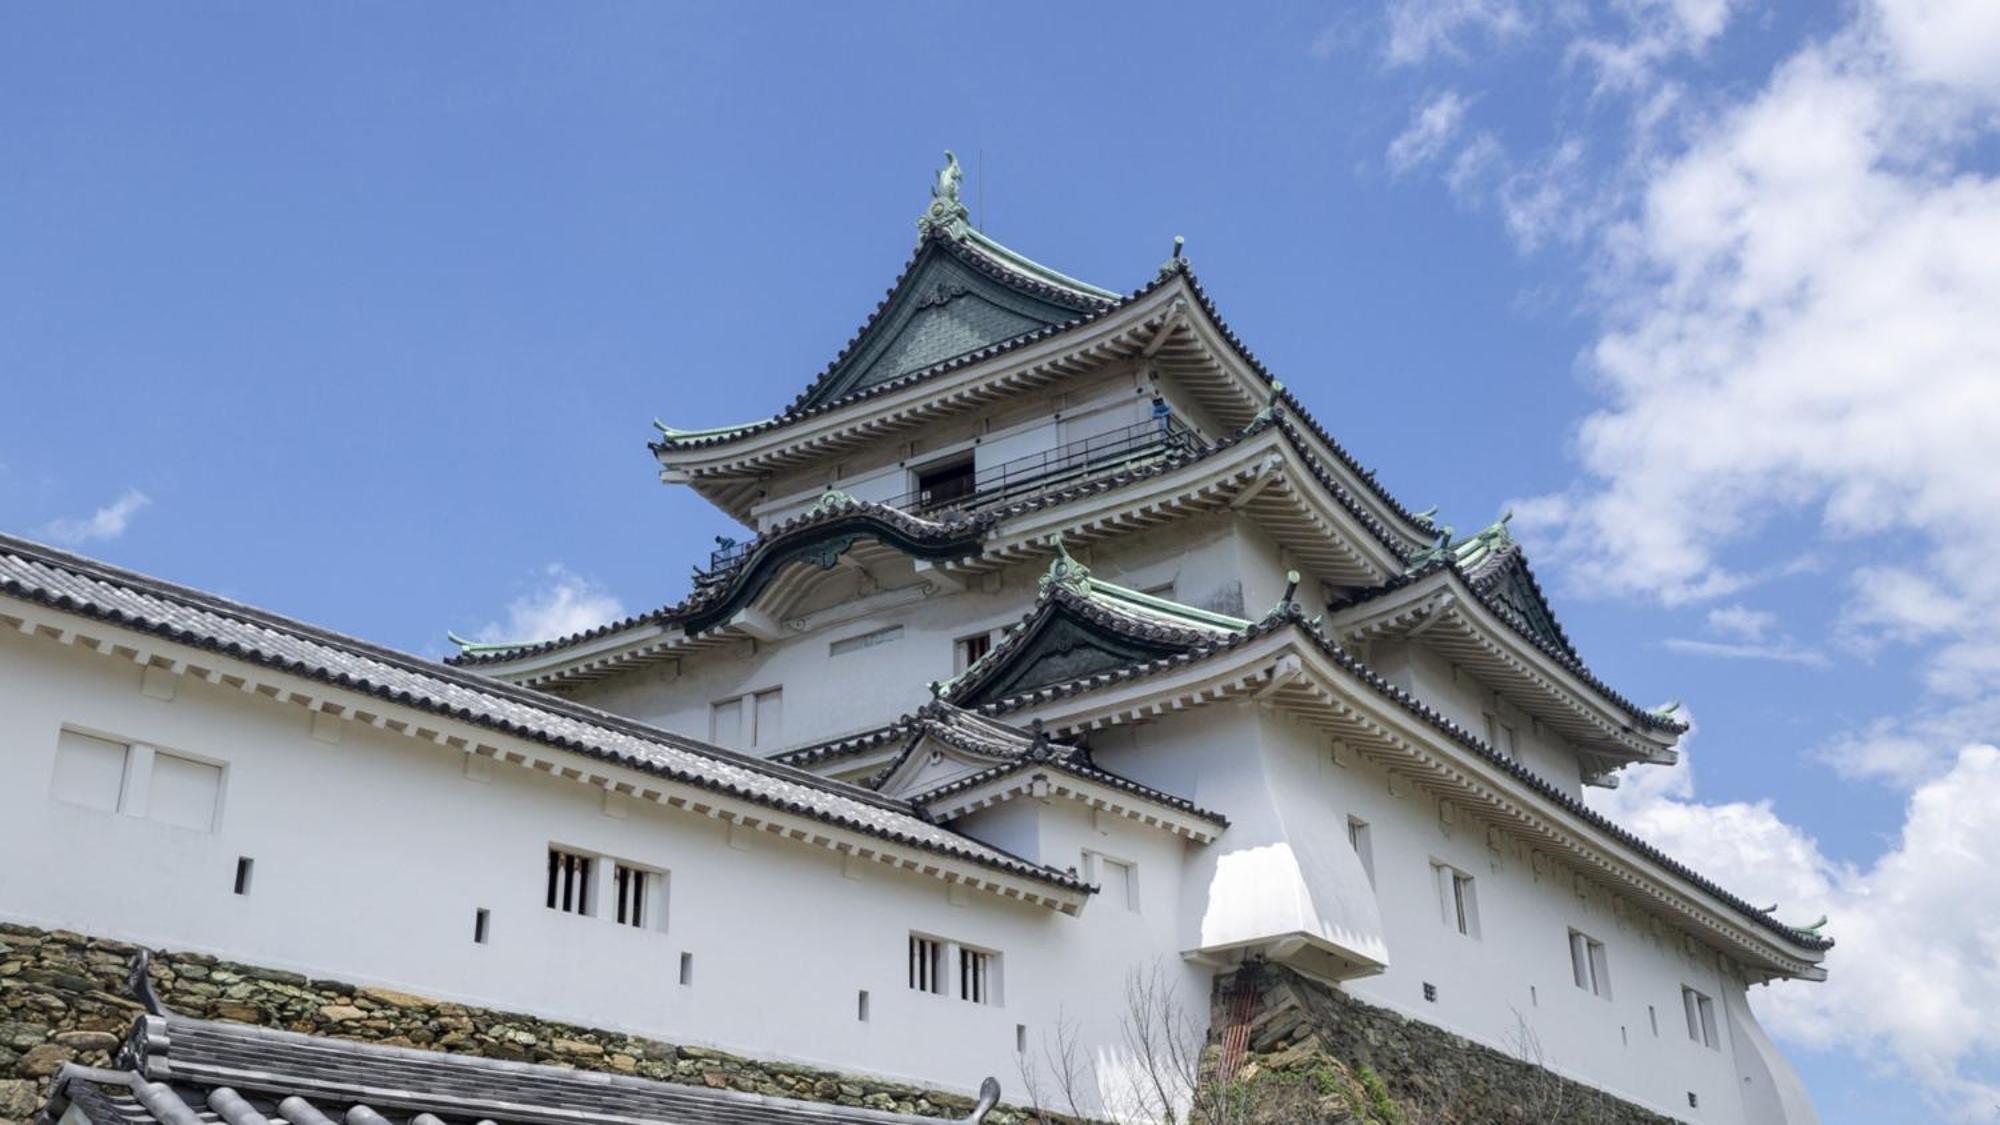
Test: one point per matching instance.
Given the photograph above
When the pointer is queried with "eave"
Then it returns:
(1262, 472)
(160, 627)
(1099, 792)
(1284, 664)
(1444, 613)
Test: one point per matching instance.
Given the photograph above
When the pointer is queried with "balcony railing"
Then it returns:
(1023, 477)
(1055, 468)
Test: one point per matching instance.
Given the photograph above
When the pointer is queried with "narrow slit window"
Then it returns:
(569, 882)
(861, 1007)
(1700, 1011)
(243, 866)
(1020, 1038)
(1363, 842)
(926, 964)
(479, 924)
(687, 969)
(1457, 899)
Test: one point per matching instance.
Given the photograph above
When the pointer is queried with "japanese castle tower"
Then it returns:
(1064, 645)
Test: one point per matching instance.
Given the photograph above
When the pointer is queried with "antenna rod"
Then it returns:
(979, 160)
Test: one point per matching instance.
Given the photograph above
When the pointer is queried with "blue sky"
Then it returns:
(362, 314)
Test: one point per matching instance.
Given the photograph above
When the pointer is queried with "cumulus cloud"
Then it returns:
(1796, 366)
(103, 525)
(562, 602)
(1432, 126)
(1915, 976)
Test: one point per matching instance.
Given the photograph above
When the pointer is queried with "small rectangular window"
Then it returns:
(1457, 900)
(479, 923)
(748, 722)
(975, 975)
(866, 640)
(1509, 743)
(1430, 992)
(861, 1006)
(243, 864)
(966, 651)
(725, 723)
(687, 969)
(941, 483)
(1121, 883)
(1363, 842)
(569, 882)
(926, 964)
(1020, 1038)
(635, 890)
(1588, 965)
(89, 771)
(184, 792)
(1700, 1011)
(1653, 1017)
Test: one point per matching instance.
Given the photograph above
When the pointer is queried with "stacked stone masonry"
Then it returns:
(1312, 1055)
(63, 998)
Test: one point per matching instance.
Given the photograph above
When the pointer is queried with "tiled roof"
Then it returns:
(1488, 572)
(1012, 750)
(833, 517)
(1290, 617)
(1088, 306)
(180, 1071)
(73, 584)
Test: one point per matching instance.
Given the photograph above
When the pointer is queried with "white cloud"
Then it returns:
(1785, 653)
(1741, 622)
(561, 603)
(1432, 126)
(1422, 29)
(1914, 979)
(1797, 368)
(103, 525)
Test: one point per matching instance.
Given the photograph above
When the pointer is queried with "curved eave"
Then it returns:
(698, 620)
(1092, 788)
(1259, 472)
(1445, 613)
(1284, 663)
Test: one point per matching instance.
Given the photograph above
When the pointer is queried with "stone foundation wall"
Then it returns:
(63, 999)
(1312, 1054)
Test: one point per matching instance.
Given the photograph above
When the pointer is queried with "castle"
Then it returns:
(1066, 649)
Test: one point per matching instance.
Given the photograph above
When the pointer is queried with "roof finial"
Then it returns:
(946, 213)
(1175, 262)
(1063, 570)
(1285, 603)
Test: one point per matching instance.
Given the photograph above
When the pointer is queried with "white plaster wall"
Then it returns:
(372, 854)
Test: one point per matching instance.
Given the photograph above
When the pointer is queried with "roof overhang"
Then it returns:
(1043, 781)
(1477, 788)
(1451, 617)
(333, 707)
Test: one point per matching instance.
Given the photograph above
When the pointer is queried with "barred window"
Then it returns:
(569, 882)
(926, 964)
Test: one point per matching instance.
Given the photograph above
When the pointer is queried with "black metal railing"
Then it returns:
(1022, 477)
(1055, 468)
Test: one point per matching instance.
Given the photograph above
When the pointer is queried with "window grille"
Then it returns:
(926, 964)
(971, 649)
(973, 970)
(1700, 1012)
(1456, 899)
(1363, 842)
(632, 886)
(569, 882)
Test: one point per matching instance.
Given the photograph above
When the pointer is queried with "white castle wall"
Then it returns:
(372, 854)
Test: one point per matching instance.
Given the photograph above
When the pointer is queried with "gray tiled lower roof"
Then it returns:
(181, 1071)
(73, 584)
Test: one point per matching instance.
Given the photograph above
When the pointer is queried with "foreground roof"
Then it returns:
(175, 1070)
(72, 584)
